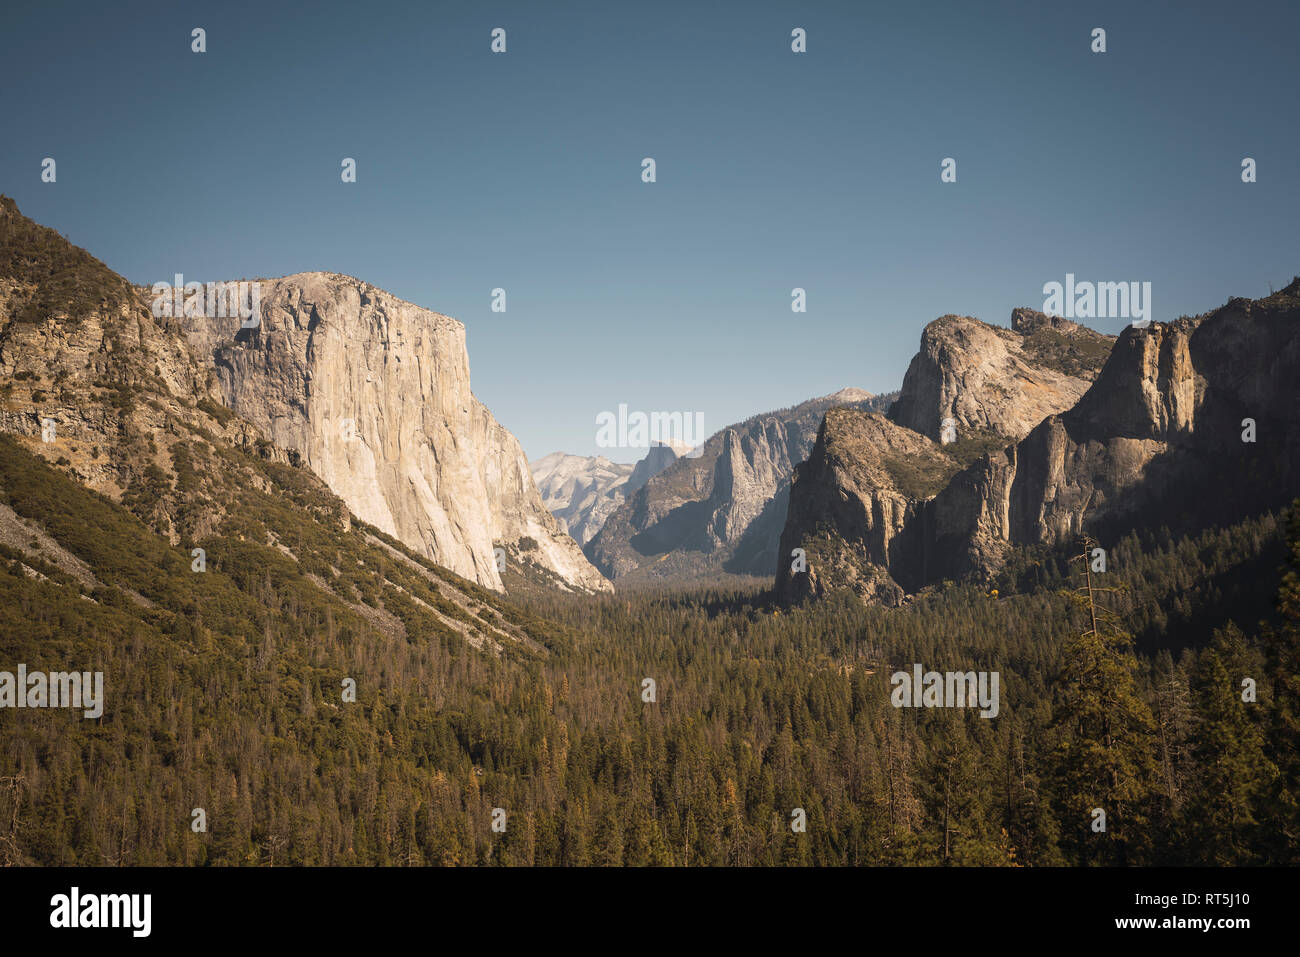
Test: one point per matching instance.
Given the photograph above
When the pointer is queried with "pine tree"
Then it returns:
(951, 787)
(1283, 655)
(1104, 760)
(1232, 770)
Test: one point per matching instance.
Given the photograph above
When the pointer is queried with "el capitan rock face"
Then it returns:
(368, 391)
(115, 400)
(1148, 444)
(373, 393)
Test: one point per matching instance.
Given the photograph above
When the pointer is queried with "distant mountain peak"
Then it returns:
(720, 512)
(848, 394)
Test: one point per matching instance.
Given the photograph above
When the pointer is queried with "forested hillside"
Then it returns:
(224, 692)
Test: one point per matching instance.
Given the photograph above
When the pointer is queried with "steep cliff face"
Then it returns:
(723, 511)
(370, 392)
(849, 503)
(374, 394)
(1157, 441)
(860, 507)
(987, 379)
(1153, 442)
(98, 393)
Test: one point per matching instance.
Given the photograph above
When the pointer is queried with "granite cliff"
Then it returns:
(1146, 445)
(986, 379)
(369, 392)
(373, 393)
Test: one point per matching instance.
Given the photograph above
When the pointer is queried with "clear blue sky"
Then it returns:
(775, 170)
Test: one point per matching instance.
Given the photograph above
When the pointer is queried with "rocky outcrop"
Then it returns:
(849, 503)
(374, 394)
(858, 507)
(89, 377)
(984, 379)
(1156, 441)
(720, 512)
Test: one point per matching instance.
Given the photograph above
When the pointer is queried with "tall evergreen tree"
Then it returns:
(1282, 645)
(1232, 769)
(1104, 761)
